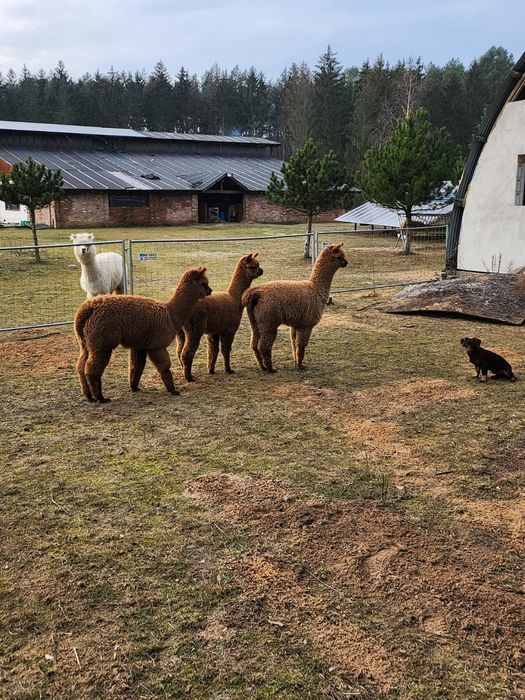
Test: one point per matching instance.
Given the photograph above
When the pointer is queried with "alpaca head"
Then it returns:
(84, 249)
(250, 266)
(335, 254)
(196, 280)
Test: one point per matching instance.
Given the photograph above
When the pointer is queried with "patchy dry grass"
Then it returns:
(355, 530)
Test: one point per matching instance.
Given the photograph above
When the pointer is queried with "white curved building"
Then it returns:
(487, 231)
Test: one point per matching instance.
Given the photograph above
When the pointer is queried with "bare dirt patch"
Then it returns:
(451, 595)
(372, 423)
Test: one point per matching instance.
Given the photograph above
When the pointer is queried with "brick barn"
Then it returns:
(115, 177)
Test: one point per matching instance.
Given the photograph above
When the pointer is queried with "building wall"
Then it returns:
(91, 209)
(258, 210)
(12, 218)
(492, 236)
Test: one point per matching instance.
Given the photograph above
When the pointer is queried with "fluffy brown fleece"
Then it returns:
(299, 305)
(219, 316)
(145, 326)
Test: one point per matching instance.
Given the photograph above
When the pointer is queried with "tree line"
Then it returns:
(347, 110)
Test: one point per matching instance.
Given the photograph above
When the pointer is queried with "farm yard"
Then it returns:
(355, 530)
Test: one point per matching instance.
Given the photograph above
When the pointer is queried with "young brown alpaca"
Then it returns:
(143, 325)
(219, 316)
(299, 305)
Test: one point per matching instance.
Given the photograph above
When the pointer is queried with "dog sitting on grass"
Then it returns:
(487, 361)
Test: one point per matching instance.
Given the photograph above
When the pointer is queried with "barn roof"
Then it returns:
(104, 132)
(111, 170)
(512, 89)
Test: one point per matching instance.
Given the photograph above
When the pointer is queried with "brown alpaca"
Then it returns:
(143, 325)
(219, 316)
(299, 305)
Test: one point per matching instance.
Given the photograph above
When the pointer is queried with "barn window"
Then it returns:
(129, 199)
(12, 207)
(520, 182)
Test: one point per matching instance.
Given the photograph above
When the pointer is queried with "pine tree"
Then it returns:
(331, 107)
(60, 101)
(484, 79)
(443, 95)
(159, 107)
(409, 169)
(34, 186)
(134, 92)
(254, 99)
(298, 107)
(310, 184)
(187, 98)
(371, 92)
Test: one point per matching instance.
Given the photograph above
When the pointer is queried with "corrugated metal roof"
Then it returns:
(94, 170)
(127, 133)
(370, 214)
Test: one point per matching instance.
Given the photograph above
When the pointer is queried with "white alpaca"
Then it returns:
(102, 273)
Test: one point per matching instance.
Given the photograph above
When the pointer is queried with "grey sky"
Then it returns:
(270, 35)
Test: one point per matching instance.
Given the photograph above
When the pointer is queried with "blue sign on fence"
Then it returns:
(147, 256)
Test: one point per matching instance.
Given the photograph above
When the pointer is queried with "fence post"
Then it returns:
(124, 271)
(131, 271)
(315, 246)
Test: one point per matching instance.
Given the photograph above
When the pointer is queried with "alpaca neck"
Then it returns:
(181, 303)
(238, 284)
(322, 276)
(89, 269)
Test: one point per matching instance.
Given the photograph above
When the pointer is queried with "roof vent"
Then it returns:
(150, 176)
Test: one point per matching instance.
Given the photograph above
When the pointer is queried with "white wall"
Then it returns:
(12, 218)
(492, 237)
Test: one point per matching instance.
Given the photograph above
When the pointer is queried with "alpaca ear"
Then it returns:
(249, 257)
(256, 255)
(476, 341)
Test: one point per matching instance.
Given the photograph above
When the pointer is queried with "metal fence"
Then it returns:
(35, 295)
(47, 293)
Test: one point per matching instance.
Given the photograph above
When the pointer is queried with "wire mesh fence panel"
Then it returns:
(34, 294)
(376, 257)
(156, 265)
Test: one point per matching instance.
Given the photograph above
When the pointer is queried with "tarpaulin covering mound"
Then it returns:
(495, 297)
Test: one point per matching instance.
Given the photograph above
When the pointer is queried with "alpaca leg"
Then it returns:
(293, 336)
(162, 362)
(95, 365)
(81, 364)
(191, 345)
(181, 339)
(266, 341)
(213, 351)
(226, 348)
(256, 336)
(137, 362)
(301, 341)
